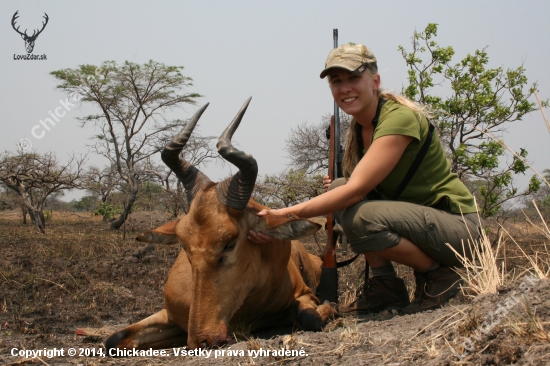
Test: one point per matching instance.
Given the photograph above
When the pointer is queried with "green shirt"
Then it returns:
(433, 180)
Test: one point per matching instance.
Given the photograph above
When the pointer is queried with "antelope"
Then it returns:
(220, 278)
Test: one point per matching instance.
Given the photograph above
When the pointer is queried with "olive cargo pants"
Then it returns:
(375, 225)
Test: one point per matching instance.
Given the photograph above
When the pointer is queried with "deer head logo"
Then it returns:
(29, 40)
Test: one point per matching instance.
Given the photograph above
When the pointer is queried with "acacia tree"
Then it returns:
(101, 183)
(481, 99)
(308, 147)
(132, 99)
(35, 177)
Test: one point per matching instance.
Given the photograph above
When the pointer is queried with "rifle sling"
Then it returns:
(346, 262)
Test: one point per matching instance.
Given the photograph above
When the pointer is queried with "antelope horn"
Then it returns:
(191, 178)
(235, 191)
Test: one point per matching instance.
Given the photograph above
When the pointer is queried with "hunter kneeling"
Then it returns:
(399, 200)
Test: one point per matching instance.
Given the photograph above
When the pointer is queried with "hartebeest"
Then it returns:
(220, 278)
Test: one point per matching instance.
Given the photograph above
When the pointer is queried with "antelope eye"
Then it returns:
(230, 245)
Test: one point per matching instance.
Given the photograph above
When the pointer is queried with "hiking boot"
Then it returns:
(433, 289)
(379, 295)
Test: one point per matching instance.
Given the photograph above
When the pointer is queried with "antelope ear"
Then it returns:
(165, 234)
(287, 227)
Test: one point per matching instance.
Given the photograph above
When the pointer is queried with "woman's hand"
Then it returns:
(326, 182)
(260, 238)
(274, 212)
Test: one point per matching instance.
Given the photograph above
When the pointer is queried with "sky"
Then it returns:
(270, 50)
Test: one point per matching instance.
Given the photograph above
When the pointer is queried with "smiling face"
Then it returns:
(355, 94)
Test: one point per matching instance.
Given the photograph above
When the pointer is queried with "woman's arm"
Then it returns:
(381, 158)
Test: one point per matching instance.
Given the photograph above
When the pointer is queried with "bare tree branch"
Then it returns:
(35, 177)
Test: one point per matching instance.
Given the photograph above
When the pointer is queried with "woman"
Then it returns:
(413, 218)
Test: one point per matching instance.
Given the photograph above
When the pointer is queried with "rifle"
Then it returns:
(328, 287)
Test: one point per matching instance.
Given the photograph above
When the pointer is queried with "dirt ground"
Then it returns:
(67, 290)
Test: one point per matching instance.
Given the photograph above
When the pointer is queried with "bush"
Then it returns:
(47, 215)
(107, 211)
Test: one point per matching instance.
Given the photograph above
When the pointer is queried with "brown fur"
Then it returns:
(221, 279)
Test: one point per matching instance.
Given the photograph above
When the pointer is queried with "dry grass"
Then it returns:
(242, 332)
(253, 344)
(351, 335)
(482, 272)
(432, 350)
(543, 227)
(79, 271)
(290, 341)
(538, 262)
(527, 326)
(542, 111)
(486, 270)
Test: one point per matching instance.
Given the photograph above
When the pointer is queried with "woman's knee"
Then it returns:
(365, 229)
(366, 215)
(337, 183)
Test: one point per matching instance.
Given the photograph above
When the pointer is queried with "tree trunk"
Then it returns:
(115, 225)
(37, 217)
(24, 214)
(35, 213)
(176, 211)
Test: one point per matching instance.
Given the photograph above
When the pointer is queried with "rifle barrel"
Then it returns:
(336, 141)
(328, 286)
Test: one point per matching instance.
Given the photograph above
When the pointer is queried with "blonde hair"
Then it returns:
(352, 151)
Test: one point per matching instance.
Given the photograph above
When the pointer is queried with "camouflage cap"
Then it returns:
(350, 56)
